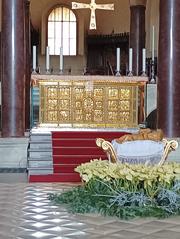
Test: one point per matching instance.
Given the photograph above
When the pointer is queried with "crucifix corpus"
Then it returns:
(92, 6)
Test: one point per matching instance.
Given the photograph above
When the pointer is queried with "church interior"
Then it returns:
(75, 76)
(95, 47)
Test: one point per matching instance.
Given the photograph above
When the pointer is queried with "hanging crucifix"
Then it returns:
(92, 6)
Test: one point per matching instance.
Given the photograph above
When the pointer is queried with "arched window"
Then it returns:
(62, 28)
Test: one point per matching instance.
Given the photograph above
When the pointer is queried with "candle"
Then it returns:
(143, 60)
(47, 58)
(118, 59)
(153, 43)
(34, 58)
(61, 59)
(130, 59)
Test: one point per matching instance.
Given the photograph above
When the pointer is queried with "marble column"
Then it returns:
(27, 64)
(168, 102)
(137, 33)
(13, 70)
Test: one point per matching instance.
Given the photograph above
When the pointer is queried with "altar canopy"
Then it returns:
(90, 101)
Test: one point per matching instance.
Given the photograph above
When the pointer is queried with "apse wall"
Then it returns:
(108, 22)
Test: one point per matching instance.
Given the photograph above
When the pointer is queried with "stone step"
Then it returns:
(47, 149)
(40, 145)
(40, 171)
(40, 153)
(38, 141)
(44, 158)
(40, 137)
(35, 153)
(40, 164)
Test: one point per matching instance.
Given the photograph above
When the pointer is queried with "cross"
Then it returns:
(92, 6)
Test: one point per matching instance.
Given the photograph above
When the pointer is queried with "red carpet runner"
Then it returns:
(71, 148)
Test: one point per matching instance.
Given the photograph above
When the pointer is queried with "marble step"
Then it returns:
(39, 164)
(40, 144)
(40, 137)
(39, 153)
(44, 158)
(40, 171)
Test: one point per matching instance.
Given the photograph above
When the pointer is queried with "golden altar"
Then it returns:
(90, 101)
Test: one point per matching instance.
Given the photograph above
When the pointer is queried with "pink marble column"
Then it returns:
(27, 64)
(137, 33)
(168, 104)
(13, 69)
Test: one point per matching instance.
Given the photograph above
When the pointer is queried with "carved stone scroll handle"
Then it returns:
(108, 148)
(169, 146)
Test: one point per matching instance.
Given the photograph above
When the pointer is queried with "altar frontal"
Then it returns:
(90, 101)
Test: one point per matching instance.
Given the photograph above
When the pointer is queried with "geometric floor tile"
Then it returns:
(26, 213)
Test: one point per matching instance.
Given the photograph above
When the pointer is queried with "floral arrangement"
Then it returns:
(131, 177)
(125, 190)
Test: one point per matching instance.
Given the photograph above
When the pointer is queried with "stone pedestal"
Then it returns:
(13, 152)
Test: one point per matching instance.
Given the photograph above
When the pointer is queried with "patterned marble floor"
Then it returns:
(26, 213)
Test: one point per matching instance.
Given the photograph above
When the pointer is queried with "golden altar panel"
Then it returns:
(87, 101)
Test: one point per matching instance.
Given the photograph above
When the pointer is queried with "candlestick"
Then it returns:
(152, 77)
(153, 43)
(61, 60)
(118, 62)
(47, 60)
(130, 61)
(34, 58)
(144, 60)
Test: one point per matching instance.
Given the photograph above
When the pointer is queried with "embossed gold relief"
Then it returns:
(88, 117)
(98, 116)
(52, 93)
(113, 117)
(52, 116)
(64, 116)
(88, 104)
(64, 92)
(98, 93)
(125, 93)
(78, 104)
(71, 103)
(113, 93)
(113, 105)
(98, 104)
(79, 93)
(64, 104)
(124, 105)
(52, 105)
(125, 117)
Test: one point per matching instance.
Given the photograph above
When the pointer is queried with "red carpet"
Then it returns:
(55, 178)
(71, 148)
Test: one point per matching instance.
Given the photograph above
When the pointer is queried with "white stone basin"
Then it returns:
(139, 151)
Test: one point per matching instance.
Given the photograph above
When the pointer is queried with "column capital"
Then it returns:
(137, 3)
